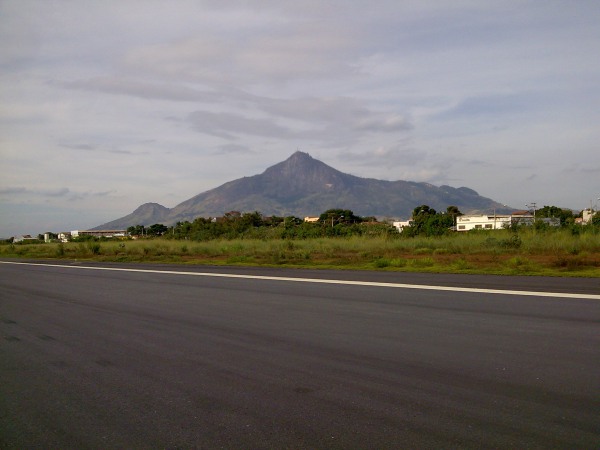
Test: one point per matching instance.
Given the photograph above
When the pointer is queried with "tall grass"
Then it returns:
(530, 251)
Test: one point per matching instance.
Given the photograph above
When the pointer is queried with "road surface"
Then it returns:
(147, 359)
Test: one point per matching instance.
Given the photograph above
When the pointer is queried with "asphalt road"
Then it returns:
(119, 359)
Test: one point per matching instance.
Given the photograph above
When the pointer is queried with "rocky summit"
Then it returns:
(303, 186)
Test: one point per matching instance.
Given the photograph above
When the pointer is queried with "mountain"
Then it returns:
(303, 186)
(146, 214)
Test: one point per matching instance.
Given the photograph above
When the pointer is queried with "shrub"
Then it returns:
(422, 262)
(462, 264)
(422, 251)
(380, 263)
(512, 242)
(399, 262)
(94, 248)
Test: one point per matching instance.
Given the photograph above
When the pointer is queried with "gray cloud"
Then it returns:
(62, 192)
(13, 190)
(228, 125)
(331, 121)
(88, 194)
(314, 109)
(394, 156)
(141, 89)
(429, 91)
(384, 124)
(254, 55)
(78, 146)
(232, 148)
(582, 169)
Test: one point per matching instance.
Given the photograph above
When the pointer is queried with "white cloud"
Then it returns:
(110, 97)
(142, 89)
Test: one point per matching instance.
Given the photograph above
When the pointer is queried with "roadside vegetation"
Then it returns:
(341, 240)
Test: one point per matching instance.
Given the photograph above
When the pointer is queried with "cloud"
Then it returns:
(61, 192)
(329, 121)
(390, 156)
(330, 112)
(286, 49)
(500, 106)
(430, 91)
(232, 149)
(229, 126)
(155, 91)
(13, 190)
(324, 109)
(78, 146)
(385, 124)
(89, 194)
(581, 169)
(57, 193)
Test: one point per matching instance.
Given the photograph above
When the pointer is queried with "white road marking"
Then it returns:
(324, 281)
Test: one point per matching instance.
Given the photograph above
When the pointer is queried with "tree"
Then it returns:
(420, 216)
(158, 229)
(336, 215)
(136, 230)
(565, 215)
(453, 211)
(429, 222)
(422, 211)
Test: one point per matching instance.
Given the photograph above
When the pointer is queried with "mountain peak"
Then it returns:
(151, 207)
(303, 186)
(302, 173)
(297, 161)
(146, 214)
(300, 156)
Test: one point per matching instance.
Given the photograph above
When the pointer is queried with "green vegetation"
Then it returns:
(340, 239)
(236, 225)
(528, 252)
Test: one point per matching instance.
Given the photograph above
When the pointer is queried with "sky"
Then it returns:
(108, 105)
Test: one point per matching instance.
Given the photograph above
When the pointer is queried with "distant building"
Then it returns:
(98, 233)
(551, 221)
(400, 225)
(482, 222)
(495, 221)
(311, 219)
(522, 218)
(24, 238)
(586, 216)
(64, 236)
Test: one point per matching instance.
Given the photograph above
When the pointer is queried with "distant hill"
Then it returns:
(303, 186)
(146, 214)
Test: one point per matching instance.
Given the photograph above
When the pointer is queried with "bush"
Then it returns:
(94, 247)
(513, 242)
(381, 263)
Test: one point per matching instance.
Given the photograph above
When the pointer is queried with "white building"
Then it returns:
(99, 233)
(482, 222)
(311, 219)
(400, 225)
(587, 215)
(24, 238)
(64, 236)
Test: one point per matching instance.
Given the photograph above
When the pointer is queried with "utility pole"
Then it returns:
(532, 205)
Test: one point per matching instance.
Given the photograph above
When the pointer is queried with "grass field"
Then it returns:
(530, 252)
